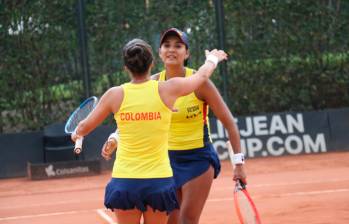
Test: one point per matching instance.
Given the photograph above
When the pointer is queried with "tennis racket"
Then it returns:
(78, 115)
(244, 205)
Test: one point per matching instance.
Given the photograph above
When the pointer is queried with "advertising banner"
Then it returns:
(276, 134)
(63, 169)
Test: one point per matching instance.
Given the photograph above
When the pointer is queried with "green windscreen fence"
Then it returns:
(284, 55)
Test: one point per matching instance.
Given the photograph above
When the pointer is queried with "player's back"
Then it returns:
(143, 123)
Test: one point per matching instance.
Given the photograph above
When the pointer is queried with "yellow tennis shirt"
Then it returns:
(143, 122)
(189, 127)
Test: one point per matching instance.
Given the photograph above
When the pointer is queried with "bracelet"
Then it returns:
(114, 136)
(239, 158)
(212, 58)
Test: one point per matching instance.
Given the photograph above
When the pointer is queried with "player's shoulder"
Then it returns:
(208, 88)
(115, 90)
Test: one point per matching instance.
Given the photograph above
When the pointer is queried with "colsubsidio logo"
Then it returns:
(49, 171)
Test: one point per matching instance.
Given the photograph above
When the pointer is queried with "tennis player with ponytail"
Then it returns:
(142, 181)
(194, 161)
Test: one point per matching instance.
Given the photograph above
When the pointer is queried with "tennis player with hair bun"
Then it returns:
(193, 159)
(142, 181)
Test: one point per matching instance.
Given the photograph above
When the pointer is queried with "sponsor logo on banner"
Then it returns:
(49, 171)
(273, 135)
(52, 172)
(63, 169)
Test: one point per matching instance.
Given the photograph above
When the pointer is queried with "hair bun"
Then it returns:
(135, 50)
(138, 56)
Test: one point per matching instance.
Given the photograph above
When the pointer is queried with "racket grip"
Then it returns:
(242, 184)
(78, 145)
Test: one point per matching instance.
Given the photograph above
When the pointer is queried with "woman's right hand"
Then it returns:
(216, 55)
(239, 174)
(108, 148)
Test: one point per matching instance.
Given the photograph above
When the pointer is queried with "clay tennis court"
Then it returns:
(311, 189)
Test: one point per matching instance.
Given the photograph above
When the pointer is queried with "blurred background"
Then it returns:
(289, 55)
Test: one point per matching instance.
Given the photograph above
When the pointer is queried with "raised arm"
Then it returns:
(173, 88)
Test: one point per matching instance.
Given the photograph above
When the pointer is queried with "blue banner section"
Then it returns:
(339, 128)
(18, 149)
(288, 133)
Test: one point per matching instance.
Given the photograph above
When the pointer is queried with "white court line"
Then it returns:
(315, 192)
(281, 184)
(285, 195)
(111, 221)
(213, 189)
(49, 203)
(44, 215)
(299, 182)
(105, 216)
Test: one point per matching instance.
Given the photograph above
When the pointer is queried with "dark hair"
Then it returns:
(175, 32)
(186, 62)
(138, 56)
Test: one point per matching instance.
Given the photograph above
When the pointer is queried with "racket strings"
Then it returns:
(80, 115)
(246, 209)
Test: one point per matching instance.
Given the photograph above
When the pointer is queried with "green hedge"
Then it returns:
(290, 85)
(284, 54)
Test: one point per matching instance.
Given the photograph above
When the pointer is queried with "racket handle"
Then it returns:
(242, 184)
(78, 145)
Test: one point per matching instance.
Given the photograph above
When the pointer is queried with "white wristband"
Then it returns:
(212, 58)
(238, 158)
(114, 136)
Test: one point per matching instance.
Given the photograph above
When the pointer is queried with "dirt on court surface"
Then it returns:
(307, 189)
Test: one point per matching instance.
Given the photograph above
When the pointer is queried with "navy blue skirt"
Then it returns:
(130, 193)
(188, 164)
